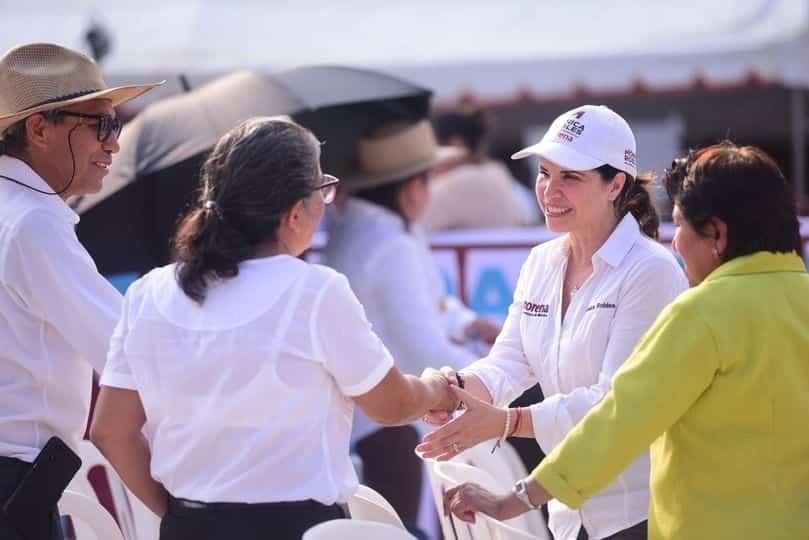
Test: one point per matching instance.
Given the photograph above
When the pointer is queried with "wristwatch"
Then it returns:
(521, 491)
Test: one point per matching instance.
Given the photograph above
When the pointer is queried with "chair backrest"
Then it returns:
(506, 467)
(136, 521)
(503, 531)
(366, 504)
(450, 474)
(89, 517)
(340, 529)
(437, 487)
(457, 473)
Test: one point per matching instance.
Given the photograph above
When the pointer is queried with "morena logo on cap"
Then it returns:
(571, 129)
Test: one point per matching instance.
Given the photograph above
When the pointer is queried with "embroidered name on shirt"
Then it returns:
(535, 310)
(599, 305)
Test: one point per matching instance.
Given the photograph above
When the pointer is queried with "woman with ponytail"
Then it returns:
(227, 397)
(581, 304)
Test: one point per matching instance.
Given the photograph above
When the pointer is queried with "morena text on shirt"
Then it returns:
(535, 310)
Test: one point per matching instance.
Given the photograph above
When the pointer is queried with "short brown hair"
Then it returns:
(745, 188)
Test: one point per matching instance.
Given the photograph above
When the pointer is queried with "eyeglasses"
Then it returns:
(106, 124)
(328, 188)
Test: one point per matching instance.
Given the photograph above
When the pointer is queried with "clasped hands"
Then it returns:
(479, 421)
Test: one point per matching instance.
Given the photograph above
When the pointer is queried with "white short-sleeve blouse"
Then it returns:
(247, 397)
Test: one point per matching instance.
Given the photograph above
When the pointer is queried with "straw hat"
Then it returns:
(398, 153)
(39, 77)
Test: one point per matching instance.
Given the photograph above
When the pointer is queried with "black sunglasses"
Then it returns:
(106, 126)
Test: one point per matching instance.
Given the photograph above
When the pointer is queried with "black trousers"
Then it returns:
(635, 532)
(46, 526)
(186, 520)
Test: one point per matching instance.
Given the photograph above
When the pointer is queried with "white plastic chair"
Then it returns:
(90, 519)
(445, 477)
(137, 522)
(366, 504)
(455, 473)
(437, 487)
(506, 467)
(342, 529)
(503, 531)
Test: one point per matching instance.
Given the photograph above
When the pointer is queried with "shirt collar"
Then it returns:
(759, 263)
(613, 251)
(21, 171)
(620, 241)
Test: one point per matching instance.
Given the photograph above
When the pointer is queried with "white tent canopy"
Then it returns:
(496, 50)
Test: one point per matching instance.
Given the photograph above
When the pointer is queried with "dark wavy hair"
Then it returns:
(745, 188)
(634, 199)
(252, 177)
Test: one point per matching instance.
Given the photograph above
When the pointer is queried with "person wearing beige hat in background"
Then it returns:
(58, 132)
(375, 244)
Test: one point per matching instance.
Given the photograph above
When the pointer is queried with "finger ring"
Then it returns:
(455, 447)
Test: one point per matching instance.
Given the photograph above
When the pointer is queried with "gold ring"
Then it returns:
(456, 447)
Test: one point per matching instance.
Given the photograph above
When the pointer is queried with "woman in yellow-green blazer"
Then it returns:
(719, 386)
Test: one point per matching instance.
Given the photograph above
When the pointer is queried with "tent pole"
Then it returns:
(797, 121)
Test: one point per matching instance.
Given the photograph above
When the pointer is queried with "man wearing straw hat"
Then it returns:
(58, 131)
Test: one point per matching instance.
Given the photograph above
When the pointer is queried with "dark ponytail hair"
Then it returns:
(252, 177)
(635, 199)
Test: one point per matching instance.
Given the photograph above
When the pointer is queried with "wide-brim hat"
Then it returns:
(398, 153)
(39, 77)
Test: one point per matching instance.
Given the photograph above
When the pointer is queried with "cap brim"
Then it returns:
(117, 95)
(562, 155)
(441, 157)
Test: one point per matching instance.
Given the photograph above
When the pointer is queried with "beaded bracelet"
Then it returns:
(505, 430)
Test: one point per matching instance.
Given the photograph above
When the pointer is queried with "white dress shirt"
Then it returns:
(56, 317)
(574, 360)
(247, 397)
(396, 280)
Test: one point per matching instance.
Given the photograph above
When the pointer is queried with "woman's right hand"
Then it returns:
(441, 399)
(440, 416)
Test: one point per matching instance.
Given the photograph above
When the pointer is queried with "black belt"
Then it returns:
(186, 505)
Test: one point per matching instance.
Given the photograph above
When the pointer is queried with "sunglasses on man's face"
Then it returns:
(106, 124)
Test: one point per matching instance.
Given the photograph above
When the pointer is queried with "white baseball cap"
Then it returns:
(586, 138)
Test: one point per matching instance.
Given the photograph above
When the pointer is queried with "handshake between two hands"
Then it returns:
(479, 422)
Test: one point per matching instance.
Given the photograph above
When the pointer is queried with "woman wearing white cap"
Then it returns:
(581, 303)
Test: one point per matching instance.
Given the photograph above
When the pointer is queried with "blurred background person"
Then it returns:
(227, 399)
(582, 302)
(719, 386)
(474, 191)
(376, 244)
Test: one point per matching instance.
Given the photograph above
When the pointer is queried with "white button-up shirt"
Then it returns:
(247, 397)
(56, 317)
(397, 281)
(574, 359)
